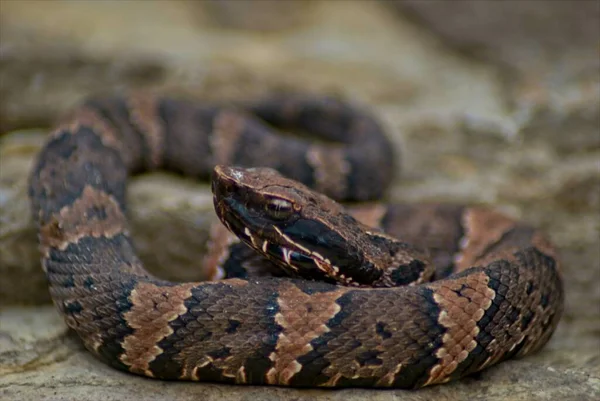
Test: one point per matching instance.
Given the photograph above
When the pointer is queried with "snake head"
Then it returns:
(302, 231)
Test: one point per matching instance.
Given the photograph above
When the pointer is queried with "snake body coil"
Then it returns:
(374, 319)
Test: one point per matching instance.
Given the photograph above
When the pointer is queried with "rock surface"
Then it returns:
(503, 128)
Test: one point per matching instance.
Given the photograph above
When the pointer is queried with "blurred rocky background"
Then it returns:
(494, 102)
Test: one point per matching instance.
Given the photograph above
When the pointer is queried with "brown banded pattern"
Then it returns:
(303, 317)
(502, 298)
(153, 308)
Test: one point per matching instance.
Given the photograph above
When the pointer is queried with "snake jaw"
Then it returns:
(318, 260)
(302, 240)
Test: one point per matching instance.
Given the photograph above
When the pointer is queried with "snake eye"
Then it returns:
(278, 208)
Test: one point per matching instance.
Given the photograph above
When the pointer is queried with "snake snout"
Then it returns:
(224, 181)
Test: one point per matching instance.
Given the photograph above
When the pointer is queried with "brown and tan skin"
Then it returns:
(373, 318)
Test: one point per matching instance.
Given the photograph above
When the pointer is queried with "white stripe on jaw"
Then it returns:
(322, 263)
(325, 261)
(287, 257)
(289, 241)
(331, 270)
(324, 267)
(287, 253)
(252, 239)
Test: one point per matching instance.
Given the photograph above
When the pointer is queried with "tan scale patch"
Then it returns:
(459, 314)
(388, 379)
(143, 111)
(331, 169)
(227, 127)
(153, 309)
(303, 318)
(332, 382)
(483, 227)
(88, 117)
(74, 222)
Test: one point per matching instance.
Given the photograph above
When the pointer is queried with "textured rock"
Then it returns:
(525, 35)
(546, 53)
(520, 134)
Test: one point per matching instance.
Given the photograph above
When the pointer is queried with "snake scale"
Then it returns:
(307, 293)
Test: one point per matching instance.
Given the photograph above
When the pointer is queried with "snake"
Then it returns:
(313, 280)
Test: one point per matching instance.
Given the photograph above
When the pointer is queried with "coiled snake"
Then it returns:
(359, 308)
